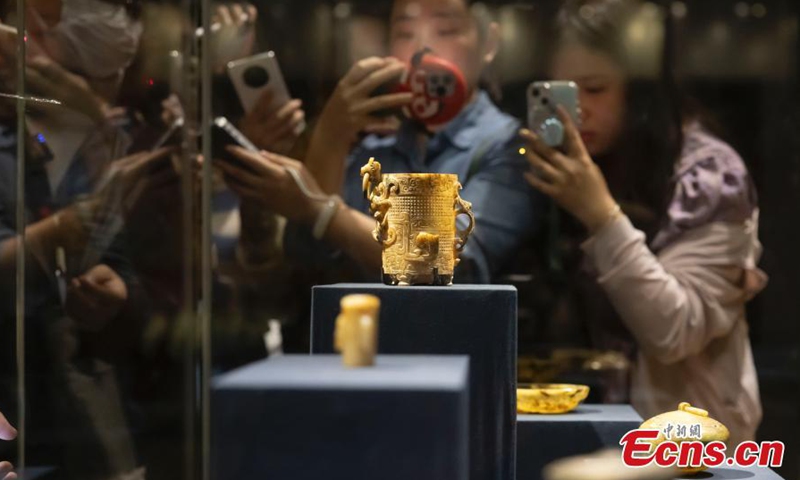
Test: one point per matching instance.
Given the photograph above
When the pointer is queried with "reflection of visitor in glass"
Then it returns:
(79, 195)
(269, 124)
(270, 121)
(79, 50)
(475, 145)
(679, 275)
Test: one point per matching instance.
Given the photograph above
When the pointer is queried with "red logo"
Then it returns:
(639, 449)
(439, 90)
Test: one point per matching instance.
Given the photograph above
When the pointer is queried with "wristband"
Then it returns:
(325, 216)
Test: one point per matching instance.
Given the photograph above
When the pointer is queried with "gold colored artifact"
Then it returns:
(416, 224)
(356, 332)
(550, 397)
(686, 423)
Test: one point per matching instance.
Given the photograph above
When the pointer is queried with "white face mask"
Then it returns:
(95, 39)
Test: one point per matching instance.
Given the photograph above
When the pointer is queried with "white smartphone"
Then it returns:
(171, 136)
(253, 75)
(543, 98)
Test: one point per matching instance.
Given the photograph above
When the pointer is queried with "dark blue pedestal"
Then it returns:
(475, 320)
(310, 418)
(542, 439)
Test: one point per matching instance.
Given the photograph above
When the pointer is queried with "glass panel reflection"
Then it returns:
(184, 173)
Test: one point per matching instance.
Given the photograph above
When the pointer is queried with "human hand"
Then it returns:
(96, 297)
(172, 110)
(570, 177)
(232, 33)
(129, 180)
(7, 471)
(273, 129)
(263, 179)
(7, 432)
(352, 108)
(46, 78)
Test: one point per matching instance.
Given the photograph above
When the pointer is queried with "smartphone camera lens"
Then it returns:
(255, 77)
(536, 92)
(545, 101)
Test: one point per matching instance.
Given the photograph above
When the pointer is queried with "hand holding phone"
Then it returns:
(362, 100)
(171, 137)
(223, 134)
(271, 116)
(253, 76)
(543, 100)
(561, 168)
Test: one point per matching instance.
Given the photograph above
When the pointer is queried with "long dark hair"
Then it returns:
(652, 137)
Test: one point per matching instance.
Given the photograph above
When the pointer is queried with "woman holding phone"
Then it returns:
(479, 145)
(677, 263)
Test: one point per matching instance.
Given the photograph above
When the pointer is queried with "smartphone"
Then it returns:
(224, 133)
(170, 137)
(543, 98)
(254, 75)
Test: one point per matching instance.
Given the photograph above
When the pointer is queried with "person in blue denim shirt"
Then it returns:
(479, 145)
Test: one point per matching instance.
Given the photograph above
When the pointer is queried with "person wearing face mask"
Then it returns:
(80, 190)
(93, 40)
(73, 191)
(477, 145)
(671, 215)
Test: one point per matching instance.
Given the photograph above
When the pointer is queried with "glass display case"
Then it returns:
(177, 175)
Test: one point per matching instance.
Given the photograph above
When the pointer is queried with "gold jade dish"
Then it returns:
(686, 423)
(550, 398)
(415, 216)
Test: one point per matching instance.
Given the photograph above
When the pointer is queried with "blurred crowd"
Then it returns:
(642, 224)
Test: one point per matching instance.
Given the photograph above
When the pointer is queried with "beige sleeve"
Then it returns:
(674, 303)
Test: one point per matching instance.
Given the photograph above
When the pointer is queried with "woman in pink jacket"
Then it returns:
(677, 262)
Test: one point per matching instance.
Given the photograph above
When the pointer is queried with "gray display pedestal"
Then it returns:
(304, 418)
(475, 320)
